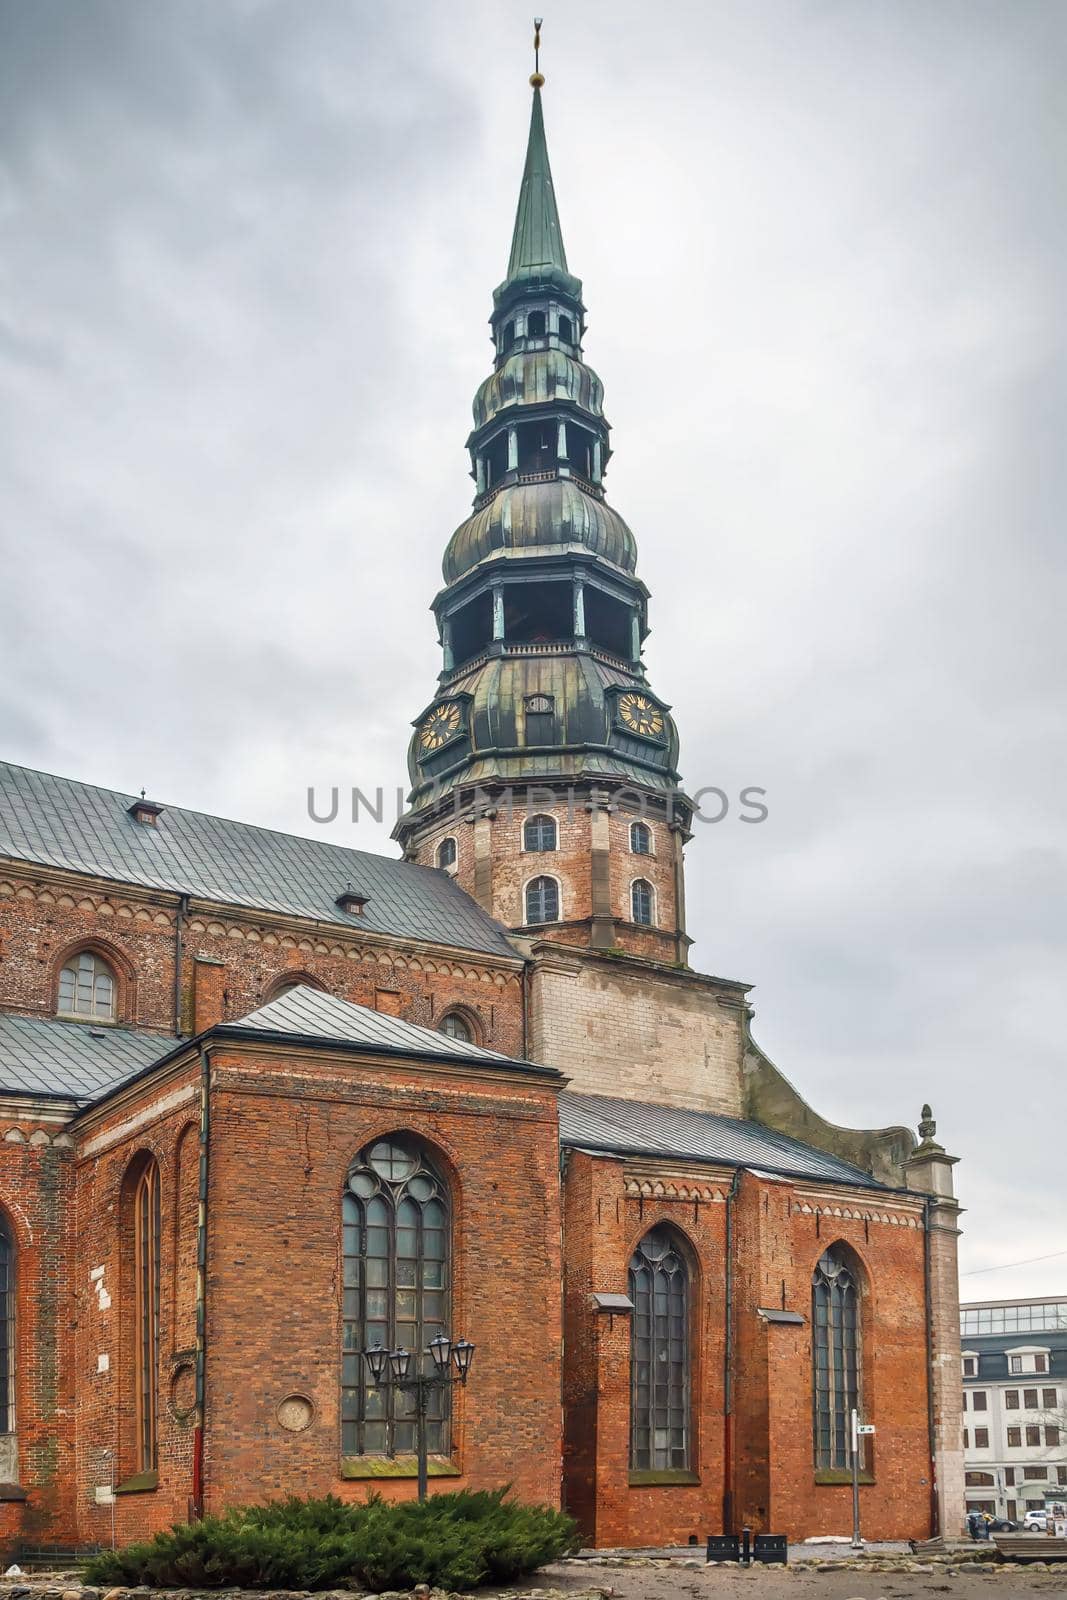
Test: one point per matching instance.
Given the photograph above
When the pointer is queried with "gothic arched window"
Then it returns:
(455, 1026)
(640, 839)
(146, 1277)
(659, 1355)
(642, 901)
(835, 1323)
(446, 853)
(542, 900)
(539, 833)
(395, 1288)
(87, 988)
(7, 1328)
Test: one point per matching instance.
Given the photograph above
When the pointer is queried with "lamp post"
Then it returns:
(392, 1369)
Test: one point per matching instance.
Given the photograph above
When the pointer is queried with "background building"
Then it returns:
(1014, 1355)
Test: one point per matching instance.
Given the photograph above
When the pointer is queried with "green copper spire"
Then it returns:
(537, 243)
(538, 260)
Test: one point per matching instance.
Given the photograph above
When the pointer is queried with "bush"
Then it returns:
(452, 1541)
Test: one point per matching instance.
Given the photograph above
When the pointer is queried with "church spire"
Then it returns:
(538, 258)
(537, 242)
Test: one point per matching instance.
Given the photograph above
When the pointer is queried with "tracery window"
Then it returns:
(542, 900)
(7, 1329)
(835, 1321)
(456, 1026)
(146, 1332)
(641, 901)
(395, 1291)
(659, 1355)
(539, 833)
(640, 839)
(87, 988)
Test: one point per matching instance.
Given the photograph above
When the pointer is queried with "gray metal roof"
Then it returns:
(82, 1061)
(72, 1060)
(57, 822)
(634, 1127)
(310, 1014)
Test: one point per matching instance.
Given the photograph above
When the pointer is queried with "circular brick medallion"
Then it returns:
(295, 1413)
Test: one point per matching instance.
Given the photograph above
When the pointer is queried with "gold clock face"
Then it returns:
(440, 726)
(641, 716)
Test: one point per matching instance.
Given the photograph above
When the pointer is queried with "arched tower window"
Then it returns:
(542, 900)
(566, 330)
(539, 833)
(146, 1277)
(446, 854)
(395, 1289)
(535, 325)
(455, 1026)
(659, 1355)
(642, 902)
(640, 839)
(7, 1328)
(836, 1355)
(87, 988)
(507, 338)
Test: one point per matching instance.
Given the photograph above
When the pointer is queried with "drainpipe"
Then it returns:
(197, 1504)
(728, 1365)
(179, 929)
(935, 1513)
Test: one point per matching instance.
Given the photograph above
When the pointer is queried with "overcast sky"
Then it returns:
(246, 255)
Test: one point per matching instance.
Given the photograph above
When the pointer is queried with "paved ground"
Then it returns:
(967, 1582)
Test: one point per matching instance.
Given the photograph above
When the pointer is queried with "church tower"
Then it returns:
(544, 770)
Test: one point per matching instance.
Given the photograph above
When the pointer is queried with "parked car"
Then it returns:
(1003, 1525)
(1036, 1521)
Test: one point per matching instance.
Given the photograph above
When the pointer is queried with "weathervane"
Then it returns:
(537, 77)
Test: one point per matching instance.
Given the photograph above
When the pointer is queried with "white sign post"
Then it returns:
(859, 1429)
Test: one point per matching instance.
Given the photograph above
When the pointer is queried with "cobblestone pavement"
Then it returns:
(880, 1575)
(837, 1578)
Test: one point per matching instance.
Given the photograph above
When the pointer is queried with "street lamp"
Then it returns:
(391, 1369)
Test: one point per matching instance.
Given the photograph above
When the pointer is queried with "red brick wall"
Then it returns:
(42, 920)
(780, 1232)
(158, 1121)
(36, 1190)
(604, 1224)
(284, 1133)
(571, 864)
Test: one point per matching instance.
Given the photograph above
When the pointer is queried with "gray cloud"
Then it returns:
(247, 256)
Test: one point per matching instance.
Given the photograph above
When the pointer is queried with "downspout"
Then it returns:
(197, 1501)
(935, 1514)
(179, 929)
(728, 1365)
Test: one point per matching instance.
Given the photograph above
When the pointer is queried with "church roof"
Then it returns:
(635, 1127)
(76, 1061)
(56, 822)
(46, 1058)
(308, 1013)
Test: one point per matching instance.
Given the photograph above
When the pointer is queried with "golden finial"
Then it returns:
(537, 77)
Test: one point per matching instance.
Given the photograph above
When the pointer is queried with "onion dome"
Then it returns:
(540, 519)
(539, 377)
